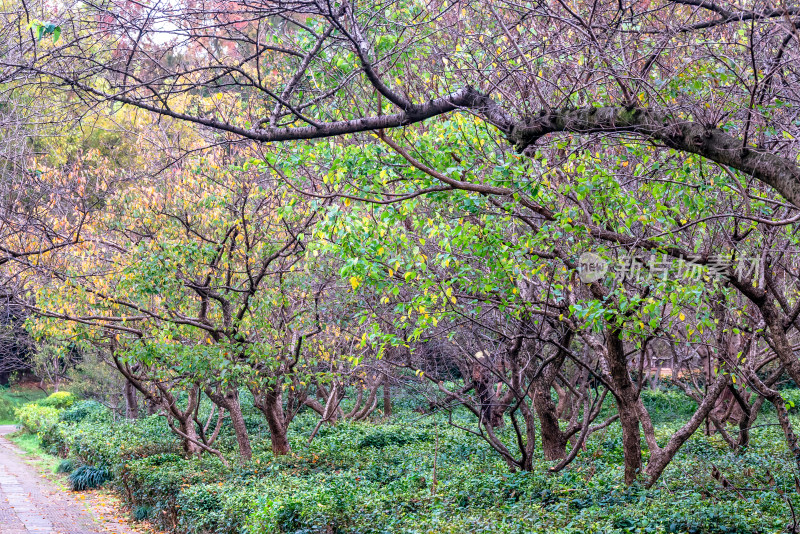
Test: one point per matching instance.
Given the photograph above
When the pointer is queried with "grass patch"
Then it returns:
(27, 442)
(31, 445)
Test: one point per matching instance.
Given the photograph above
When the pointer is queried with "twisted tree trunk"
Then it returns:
(230, 402)
(626, 396)
(270, 403)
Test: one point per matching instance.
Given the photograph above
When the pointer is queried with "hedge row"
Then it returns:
(368, 478)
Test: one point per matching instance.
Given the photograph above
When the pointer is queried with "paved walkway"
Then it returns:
(30, 503)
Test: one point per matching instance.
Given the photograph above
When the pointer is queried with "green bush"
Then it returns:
(42, 417)
(66, 466)
(82, 410)
(156, 482)
(88, 477)
(391, 435)
(6, 409)
(38, 419)
(338, 503)
(140, 513)
(101, 440)
(59, 400)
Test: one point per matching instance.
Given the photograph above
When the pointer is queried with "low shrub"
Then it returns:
(6, 409)
(82, 410)
(59, 400)
(88, 477)
(38, 419)
(101, 440)
(140, 513)
(66, 466)
(157, 481)
(391, 435)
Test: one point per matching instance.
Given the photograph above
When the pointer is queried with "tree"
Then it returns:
(15, 343)
(198, 279)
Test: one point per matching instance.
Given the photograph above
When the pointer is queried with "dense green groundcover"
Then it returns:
(377, 477)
